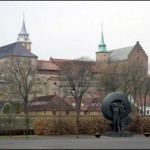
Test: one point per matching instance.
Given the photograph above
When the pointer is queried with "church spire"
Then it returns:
(23, 29)
(102, 53)
(23, 36)
(102, 46)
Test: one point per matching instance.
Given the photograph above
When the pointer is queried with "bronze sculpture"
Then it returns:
(116, 108)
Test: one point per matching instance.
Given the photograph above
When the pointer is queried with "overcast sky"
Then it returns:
(71, 29)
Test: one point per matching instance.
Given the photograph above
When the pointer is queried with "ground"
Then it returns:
(71, 142)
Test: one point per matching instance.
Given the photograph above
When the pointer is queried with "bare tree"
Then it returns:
(3, 83)
(77, 78)
(21, 73)
(130, 78)
(140, 84)
(125, 82)
(137, 74)
(109, 79)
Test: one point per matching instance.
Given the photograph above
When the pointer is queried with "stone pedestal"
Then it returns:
(118, 134)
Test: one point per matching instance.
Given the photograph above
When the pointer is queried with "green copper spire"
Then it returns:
(102, 46)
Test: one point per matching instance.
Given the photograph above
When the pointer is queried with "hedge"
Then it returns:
(58, 126)
(88, 125)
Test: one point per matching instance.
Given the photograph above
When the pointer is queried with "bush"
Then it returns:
(16, 132)
(68, 125)
(53, 126)
(88, 125)
(15, 122)
(139, 124)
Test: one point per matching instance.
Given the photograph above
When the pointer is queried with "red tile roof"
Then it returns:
(50, 102)
(96, 68)
(52, 78)
(84, 105)
(59, 62)
(95, 105)
(47, 65)
(147, 101)
(53, 64)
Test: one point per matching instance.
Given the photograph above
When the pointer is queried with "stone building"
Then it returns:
(48, 70)
(121, 55)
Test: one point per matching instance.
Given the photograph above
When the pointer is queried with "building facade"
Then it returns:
(49, 71)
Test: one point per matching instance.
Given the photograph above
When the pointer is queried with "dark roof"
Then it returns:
(15, 49)
(50, 102)
(120, 54)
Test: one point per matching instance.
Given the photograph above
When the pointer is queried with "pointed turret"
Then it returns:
(23, 29)
(23, 37)
(102, 45)
(102, 53)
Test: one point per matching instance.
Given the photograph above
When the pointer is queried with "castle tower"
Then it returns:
(23, 37)
(102, 53)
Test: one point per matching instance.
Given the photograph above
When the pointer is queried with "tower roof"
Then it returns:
(23, 29)
(102, 45)
(102, 39)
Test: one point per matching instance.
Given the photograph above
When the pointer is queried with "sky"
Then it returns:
(72, 29)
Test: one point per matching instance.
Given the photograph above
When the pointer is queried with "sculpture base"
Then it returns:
(118, 134)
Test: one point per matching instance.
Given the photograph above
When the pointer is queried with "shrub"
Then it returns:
(88, 125)
(139, 124)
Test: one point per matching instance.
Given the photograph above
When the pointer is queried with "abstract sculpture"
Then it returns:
(116, 108)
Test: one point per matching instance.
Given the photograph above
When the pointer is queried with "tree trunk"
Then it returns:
(78, 117)
(27, 117)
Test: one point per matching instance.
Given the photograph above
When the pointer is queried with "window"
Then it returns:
(67, 112)
(147, 112)
(54, 112)
(85, 112)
